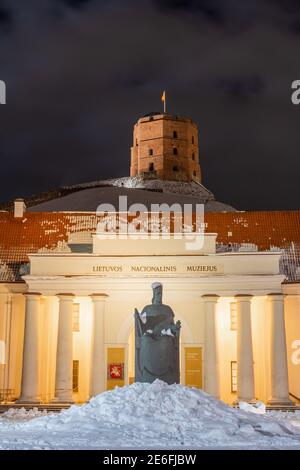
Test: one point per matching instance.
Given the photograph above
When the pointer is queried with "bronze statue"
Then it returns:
(156, 341)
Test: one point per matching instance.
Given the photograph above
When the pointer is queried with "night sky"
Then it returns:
(79, 73)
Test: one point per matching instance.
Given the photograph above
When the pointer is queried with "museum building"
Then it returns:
(67, 294)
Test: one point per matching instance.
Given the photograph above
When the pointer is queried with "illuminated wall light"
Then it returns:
(2, 352)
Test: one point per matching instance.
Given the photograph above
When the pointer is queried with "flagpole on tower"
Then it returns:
(164, 100)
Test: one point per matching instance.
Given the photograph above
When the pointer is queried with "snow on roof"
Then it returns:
(46, 231)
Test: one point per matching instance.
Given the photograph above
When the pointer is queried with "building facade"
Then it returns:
(68, 324)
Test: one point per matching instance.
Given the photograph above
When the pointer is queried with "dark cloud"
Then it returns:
(75, 3)
(78, 78)
(6, 18)
(211, 9)
(244, 87)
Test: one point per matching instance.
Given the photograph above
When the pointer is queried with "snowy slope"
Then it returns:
(87, 196)
(150, 416)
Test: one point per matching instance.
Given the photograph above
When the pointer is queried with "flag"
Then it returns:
(164, 100)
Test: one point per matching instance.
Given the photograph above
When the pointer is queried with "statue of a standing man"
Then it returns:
(156, 341)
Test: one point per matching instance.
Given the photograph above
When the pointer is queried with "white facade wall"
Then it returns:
(255, 274)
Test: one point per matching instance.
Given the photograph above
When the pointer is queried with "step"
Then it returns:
(283, 408)
(28, 406)
(290, 408)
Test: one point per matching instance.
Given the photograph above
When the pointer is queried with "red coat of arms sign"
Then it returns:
(116, 371)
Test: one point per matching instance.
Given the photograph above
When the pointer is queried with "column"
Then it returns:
(64, 354)
(245, 369)
(279, 366)
(98, 373)
(211, 356)
(31, 353)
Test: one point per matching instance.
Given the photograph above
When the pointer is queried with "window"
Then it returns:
(194, 173)
(150, 152)
(75, 376)
(175, 135)
(233, 376)
(233, 316)
(193, 156)
(151, 166)
(76, 317)
(175, 168)
(175, 152)
(193, 141)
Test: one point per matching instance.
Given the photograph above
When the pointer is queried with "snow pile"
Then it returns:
(151, 416)
(258, 408)
(21, 414)
(293, 417)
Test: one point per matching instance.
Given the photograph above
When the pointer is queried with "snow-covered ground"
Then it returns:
(150, 416)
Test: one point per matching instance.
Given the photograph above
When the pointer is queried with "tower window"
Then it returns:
(175, 135)
(175, 151)
(151, 166)
(150, 152)
(233, 376)
(175, 168)
(193, 140)
(75, 376)
(193, 156)
(233, 316)
(76, 317)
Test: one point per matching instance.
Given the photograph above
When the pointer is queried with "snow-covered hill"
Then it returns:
(88, 196)
(192, 188)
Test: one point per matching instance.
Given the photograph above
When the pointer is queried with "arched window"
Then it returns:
(175, 152)
(150, 151)
(151, 166)
(175, 135)
(175, 168)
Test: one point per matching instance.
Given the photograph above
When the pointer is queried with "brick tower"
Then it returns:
(165, 147)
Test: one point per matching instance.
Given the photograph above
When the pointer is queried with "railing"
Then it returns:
(289, 264)
(295, 397)
(7, 395)
(46, 398)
